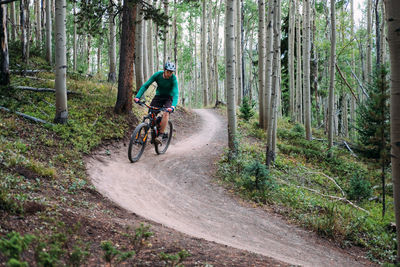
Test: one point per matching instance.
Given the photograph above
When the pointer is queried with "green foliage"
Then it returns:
(373, 123)
(13, 246)
(359, 189)
(110, 252)
(246, 109)
(77, 256)
(256, 177)
(141, 237)
(173, 260)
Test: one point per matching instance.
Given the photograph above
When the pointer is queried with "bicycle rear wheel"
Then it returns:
(162, 146)
(138, 142)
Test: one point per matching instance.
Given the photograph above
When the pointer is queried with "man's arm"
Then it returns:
(146, 85)
(175, 92)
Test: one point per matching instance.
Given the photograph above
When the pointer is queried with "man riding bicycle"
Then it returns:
(167, 93)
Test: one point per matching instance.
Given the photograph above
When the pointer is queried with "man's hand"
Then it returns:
(171, 109)
(136, 100)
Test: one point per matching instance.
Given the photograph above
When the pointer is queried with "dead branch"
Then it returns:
(42, 90)
(348, 147)
(345, 81)
(26, 116)
(358, 81)
(328, 177)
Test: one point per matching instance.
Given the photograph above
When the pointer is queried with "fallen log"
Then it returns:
(41, 90)
(26, 116)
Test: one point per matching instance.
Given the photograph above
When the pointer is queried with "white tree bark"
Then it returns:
(49, 54)
(204, 76)
(306, 70)
(261, 64)
(61, 63)
(269, 63)
(150, 46)
(139, 47)
(276, 72)
(331, 108)
(239, 52)
(75, 52)
(292, 8)
(299, 87)
(230, 74)
(13, 22)
(112, 75)
(369, 41)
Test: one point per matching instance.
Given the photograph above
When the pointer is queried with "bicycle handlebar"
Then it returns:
(142, 103)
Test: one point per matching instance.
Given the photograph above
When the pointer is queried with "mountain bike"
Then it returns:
(149, 125)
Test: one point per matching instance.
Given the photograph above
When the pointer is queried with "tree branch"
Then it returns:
(345, 81)
(26, 116)
(27, 88)
(7, 1)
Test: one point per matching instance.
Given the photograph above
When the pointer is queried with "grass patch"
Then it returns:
(310, 188)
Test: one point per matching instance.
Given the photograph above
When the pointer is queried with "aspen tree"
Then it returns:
(299, 91)
(230, 75)
(261, 65)
(61, 63)
(204, 68)
(49, 55)
(268, 67)
(112, 75)
(272, 122)
(292, 8)
(331, 110)
(306, 69)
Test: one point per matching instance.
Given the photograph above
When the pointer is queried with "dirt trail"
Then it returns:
(176, 190)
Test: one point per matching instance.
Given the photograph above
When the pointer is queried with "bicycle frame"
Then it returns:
(152, 118)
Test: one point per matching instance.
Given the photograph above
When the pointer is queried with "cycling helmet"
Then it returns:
(169, 66)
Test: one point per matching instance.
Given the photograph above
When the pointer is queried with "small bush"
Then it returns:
(13, 246)
(359, 189)
(246, 109)
(256, 176)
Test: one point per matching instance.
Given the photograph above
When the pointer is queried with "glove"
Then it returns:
(171, 109)
(136, 100)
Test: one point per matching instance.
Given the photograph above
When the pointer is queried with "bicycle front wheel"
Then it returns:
(163, 142)
(138, 142)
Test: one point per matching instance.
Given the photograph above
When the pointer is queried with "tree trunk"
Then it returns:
(272, 122)
(61, 63)
(4, 57)
(292, 8)
(369, 41)
(306, 70)
(38, 24)
(392, 8)
(49, 56)
(150, 45)
(126, 59)
(239, 52)
(230, 75)
(261, 64)
(299, 90)
(75, 53)
(210, 66)
(165, 58)
(331, 110)
(204, 72)
(215, 52)
(24, 30)
(112, 75)
(269, 63)
(13, 22)
(139, 48)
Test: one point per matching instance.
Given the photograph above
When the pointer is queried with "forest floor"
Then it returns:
(177, 195)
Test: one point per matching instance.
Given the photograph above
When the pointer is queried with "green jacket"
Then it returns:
(165, 87)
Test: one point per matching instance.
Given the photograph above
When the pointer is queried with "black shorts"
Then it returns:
(161, 101)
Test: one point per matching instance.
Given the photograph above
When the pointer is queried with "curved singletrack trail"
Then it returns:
(176, 190)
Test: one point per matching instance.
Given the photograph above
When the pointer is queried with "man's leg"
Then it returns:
(164, 122)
